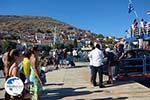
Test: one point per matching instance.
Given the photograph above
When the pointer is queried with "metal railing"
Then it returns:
(134, 66)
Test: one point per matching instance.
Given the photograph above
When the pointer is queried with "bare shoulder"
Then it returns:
(5, 56)
(32, 58)
(14, 66)
(13, 69)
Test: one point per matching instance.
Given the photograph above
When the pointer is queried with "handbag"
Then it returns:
(43, 76)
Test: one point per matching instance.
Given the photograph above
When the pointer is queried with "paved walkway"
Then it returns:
(73, 83)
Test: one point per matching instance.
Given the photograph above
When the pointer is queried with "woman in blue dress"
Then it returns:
(35, 74)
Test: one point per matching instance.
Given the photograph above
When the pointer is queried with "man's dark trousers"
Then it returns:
(94, 71)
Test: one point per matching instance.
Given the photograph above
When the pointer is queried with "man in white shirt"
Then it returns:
(96, 57)
(75, 54)
(91, 68)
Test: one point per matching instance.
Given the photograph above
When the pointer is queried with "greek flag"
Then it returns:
(130, 7)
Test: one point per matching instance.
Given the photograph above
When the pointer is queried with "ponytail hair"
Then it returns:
(35, 48)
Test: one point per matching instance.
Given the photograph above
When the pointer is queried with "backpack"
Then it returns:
(112, 58)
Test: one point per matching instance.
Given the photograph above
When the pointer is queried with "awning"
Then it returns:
(146, 37)
(130, 39)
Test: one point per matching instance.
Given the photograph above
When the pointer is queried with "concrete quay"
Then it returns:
(73, 84)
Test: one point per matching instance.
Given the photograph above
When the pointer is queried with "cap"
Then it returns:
(107, 50)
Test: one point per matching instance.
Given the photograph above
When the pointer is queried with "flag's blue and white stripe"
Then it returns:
(130, 7)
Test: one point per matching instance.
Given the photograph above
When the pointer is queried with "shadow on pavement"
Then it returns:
(76, 67)
(117, 83)
(58, 84)
(54, 94)
(110, 98)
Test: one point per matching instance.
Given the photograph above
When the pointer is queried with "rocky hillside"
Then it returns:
(19, 25)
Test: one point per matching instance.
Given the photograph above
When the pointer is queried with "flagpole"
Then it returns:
(135, 13)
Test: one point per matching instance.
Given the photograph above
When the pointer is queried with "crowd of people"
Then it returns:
(100, 58)
(139, 28)
(24, 65)
(27, 65)
(64, 58)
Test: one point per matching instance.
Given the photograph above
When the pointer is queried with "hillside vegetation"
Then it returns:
(17, 25)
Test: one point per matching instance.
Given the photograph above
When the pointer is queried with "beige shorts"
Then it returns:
(111, 70)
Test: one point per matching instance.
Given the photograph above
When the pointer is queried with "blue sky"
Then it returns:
(108, 17)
